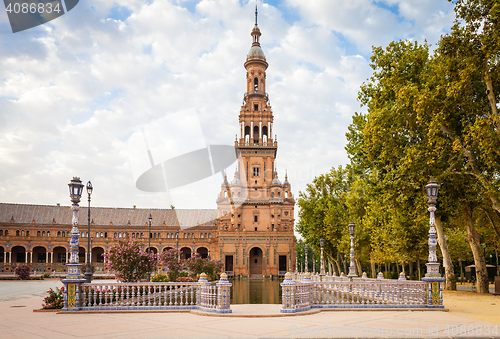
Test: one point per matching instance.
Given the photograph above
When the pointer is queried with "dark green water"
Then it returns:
(255, 292)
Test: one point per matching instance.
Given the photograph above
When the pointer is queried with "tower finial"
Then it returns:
(255, 12)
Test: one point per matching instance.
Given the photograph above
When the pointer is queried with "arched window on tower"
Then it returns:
(247, 130)
(264, 131)
(256, 134)
(255, 218)
(256, 84)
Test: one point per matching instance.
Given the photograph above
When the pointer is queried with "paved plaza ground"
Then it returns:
(471, 314)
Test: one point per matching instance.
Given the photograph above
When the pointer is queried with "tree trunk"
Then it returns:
(418, 268)
(474, 241)
(372, 265)
(451, 281)
(492, 222)
(358, 267)
(410, 269)
(461, 271)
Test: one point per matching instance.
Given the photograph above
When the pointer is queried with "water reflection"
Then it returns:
(255, 292)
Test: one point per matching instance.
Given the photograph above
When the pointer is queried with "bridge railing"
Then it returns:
(147, 296)
(347, 292)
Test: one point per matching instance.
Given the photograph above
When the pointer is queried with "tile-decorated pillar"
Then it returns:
(224, 295)
(288, 290)
(203, 280)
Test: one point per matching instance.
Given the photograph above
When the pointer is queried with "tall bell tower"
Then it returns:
(255, 211)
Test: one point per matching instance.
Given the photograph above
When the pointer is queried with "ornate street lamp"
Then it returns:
(149, 242)
(352, 266)
(322, 267)
(296, 261)
(88, 271)
(74, 278)
(307, 264)
(177, 245)
(432, 189)
(433, 277)
(75, 192)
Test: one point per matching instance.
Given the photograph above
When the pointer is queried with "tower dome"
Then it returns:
(256, 53)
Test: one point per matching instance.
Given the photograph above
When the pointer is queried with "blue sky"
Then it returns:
(74, 90)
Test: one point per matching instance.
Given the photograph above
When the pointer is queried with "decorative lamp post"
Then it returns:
(352, 266)
(433, 277)
(296, 261)
(307, 264)
(322, 267)
(149, 241)
(177, 245)
(74, 277)
(88, 271)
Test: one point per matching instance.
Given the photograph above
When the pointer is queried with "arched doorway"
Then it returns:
(153, 249)
(39, 255)
(185, 253)
(81, 255)
(203, 252)
(18, 254)
(255, 261)
(97, 253)
(59, 255)
(167, 248)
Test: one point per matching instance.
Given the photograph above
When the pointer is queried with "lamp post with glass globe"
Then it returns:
(433, 277)
(307, 264)
(149, 242)
(322, 267)
(296, 261)
(352, 266)
(74, 278)
(88, 271)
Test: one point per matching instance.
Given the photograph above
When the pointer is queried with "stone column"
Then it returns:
(4, 257)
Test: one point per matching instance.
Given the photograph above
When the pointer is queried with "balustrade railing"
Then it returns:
(306, 291)
(210, 297)
(139, 296)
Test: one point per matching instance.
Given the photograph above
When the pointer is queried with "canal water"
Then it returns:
(252, 291)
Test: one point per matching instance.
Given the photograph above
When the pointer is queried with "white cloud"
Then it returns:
(72, 91)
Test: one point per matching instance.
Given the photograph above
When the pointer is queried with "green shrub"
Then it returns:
(55, 299)
(46, 275)
(162, 277)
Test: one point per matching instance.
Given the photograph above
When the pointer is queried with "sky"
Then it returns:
(74, 91)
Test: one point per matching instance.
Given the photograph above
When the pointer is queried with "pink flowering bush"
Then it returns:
(22, 272)
(198, 265)
(129, 261)
(55, 299)
(170, 258)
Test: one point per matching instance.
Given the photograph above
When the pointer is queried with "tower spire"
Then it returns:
(255, 12)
